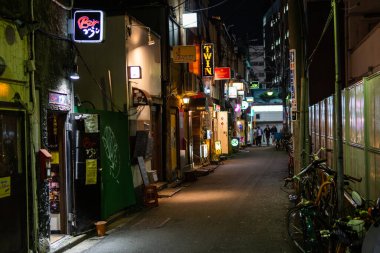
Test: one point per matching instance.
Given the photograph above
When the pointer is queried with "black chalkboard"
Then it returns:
(141, 144)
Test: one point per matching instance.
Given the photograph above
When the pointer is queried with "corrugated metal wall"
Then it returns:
(361, 132)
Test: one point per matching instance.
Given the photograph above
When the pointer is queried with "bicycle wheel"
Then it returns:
(296, 226)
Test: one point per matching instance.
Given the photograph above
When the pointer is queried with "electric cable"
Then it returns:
(328, 21)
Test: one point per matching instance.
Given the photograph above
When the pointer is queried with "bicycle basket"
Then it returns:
(358, 227)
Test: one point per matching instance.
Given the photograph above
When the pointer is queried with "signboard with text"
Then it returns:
(222, 73)
(88, 26)
(293, 82)
(207, 56)
(184, 54)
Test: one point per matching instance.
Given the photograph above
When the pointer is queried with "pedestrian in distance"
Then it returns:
(259, 135)
(267, 134)
(273, 132)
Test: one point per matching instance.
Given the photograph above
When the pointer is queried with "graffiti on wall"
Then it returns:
(112, 152)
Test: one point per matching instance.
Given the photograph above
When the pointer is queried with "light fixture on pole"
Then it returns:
(151, 42)
(150, 39)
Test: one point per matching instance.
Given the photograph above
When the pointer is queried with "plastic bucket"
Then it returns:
(101, 228)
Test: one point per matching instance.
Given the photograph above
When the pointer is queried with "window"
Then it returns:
(257, 115)
(173, 33)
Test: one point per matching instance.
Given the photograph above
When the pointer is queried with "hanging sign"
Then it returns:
(293, 82)
(207, 59)
(235, 142)
(222, 73)
(184, 54)
(88, 26)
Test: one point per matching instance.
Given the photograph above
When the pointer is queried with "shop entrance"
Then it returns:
(58, 181)
(86, 172)
(13, 199)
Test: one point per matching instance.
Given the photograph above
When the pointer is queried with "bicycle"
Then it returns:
(309, 223)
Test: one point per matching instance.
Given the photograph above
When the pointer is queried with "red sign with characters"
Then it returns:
(222, 73)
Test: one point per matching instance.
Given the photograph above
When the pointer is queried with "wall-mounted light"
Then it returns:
(151, 42)
(185, 100)
(74, 74)
(150, 39)
(270, 92)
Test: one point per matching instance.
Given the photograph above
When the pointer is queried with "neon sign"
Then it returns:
(208, 59)
(88, 26)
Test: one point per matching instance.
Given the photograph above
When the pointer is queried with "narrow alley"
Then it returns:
(240, 207)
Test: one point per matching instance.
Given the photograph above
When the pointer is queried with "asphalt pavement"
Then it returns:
(239, 207)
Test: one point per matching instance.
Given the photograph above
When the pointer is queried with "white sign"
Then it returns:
(293, 82)
(189, 20)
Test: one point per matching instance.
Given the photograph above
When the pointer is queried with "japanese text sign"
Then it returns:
(88, 26)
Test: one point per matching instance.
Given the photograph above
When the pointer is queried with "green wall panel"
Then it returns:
(117, 183)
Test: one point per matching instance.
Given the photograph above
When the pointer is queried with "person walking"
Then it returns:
(259, 134)
(267, 134)
(273, 132)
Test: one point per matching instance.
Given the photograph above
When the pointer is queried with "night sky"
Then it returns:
(246, 16)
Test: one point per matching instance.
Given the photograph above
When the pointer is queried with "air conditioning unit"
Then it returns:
(190, 84)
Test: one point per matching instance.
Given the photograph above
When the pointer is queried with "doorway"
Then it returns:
(58, 181)
(13, 198)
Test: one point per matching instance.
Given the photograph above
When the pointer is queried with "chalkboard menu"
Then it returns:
(141, 145)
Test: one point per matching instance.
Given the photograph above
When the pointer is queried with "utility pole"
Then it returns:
(338, 107)
(297, 43)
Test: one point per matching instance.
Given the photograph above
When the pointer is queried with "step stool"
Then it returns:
(150, 196)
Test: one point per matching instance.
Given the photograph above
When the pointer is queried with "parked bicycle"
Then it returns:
(310, 222)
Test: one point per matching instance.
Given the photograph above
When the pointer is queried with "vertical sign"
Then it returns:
(88, 26)
(208, 59)
(293, 82)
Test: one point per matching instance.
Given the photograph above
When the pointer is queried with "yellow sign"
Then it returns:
(184, 54)
(54, 157)
(208, 59)
(218, 147)
(5, 187)
(91, 171)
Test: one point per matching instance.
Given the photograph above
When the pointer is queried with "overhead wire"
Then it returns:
(202, 9)
(328, 21)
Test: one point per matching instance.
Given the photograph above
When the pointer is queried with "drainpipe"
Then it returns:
(34, 143)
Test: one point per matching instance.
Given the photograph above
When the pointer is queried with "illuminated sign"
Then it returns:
(207, 59)
(240, 93)
(239, 86)
(255, 85)
(235, 142)
(189, 20)
(232, 92)
(134, 72)
(249, 99)
(184, 54)
(218, 147)
(58, 98)
(293, 82)
(244, 105)
(88, 26)
(222, 73)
